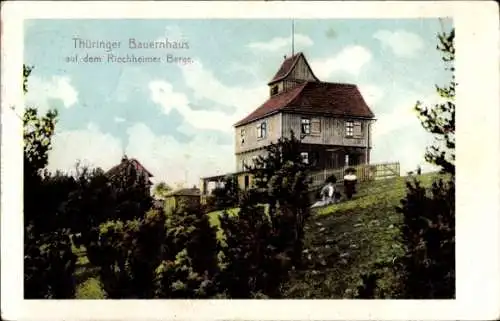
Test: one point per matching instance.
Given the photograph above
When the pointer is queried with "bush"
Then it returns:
(156, 256)
(250, 262)
(428, 233)
(49, 265)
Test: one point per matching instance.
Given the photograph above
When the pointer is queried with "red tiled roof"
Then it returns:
(137, 165)
(316, 98)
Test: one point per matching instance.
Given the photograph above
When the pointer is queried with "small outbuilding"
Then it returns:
(183, 196)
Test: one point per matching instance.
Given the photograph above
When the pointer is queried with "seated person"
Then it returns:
(328, 192)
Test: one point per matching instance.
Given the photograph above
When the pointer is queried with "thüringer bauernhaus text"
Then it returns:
(132, 44)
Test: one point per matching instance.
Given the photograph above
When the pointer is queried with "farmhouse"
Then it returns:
(128, 164)
(332, 120)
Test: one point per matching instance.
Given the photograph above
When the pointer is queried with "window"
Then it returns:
(305, 157)
(274, 90)
(243, 167)
(262, 130)
(315, 126)
(349, 128)
(254, 159)
(242, 136)
(305, 126)
(357, 129)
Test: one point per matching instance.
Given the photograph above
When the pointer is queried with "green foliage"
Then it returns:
(161, 189)
(440, 119)
(49, 262)
(427, 269)
(131, 192)
(262, 248)
(251, 264)
(128, 254)
(177, 279)
(227, 196)
(428, 233)
(156, 256)
(189, 229)
(49, 265)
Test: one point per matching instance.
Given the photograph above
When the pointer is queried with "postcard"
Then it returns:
(250, 160)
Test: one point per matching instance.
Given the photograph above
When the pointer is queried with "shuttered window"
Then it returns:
(357, 129)
(315, 126)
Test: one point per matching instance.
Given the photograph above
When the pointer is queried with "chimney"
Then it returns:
(124, 158)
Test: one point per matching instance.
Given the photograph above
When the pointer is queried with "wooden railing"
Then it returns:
(365, 172)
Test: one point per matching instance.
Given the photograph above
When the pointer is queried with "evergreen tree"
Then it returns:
(262, 248)
(440, 119)
(427, 270)
(428, 233)
(251, 263)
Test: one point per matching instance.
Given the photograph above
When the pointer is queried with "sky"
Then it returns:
(177, 118)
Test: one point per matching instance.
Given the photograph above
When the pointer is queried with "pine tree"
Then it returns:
(251, 265)
(440, 119)
(427, 270)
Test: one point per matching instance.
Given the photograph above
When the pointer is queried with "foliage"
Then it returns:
(161, 189)
(128, 254)
(189, 229)
(427, 269)
(428, 233)
(156, 256)
(262, 248)
(49, 262)
(131, 191)
(440, 119)
(227, 196)
(251, 266)
(49, 265)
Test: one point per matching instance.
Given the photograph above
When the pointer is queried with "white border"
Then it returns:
(478, 149)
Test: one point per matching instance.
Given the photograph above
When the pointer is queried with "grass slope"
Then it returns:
(344, 240)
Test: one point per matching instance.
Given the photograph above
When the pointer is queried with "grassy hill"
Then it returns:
(341, 242)
(344, 240)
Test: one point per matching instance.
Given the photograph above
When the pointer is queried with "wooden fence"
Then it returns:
(365, 172)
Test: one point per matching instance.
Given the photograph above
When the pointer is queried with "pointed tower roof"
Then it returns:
(287, 67)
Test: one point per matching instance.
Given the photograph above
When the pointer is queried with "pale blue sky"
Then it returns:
(177, 119)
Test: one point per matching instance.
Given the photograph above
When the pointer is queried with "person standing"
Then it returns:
(350, 181)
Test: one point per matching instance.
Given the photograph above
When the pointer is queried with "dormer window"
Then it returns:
(274, 90)
(262, 130)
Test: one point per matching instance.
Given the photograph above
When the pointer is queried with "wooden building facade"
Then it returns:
(332, 120)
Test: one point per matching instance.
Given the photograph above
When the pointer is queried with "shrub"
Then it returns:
(428, 233)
